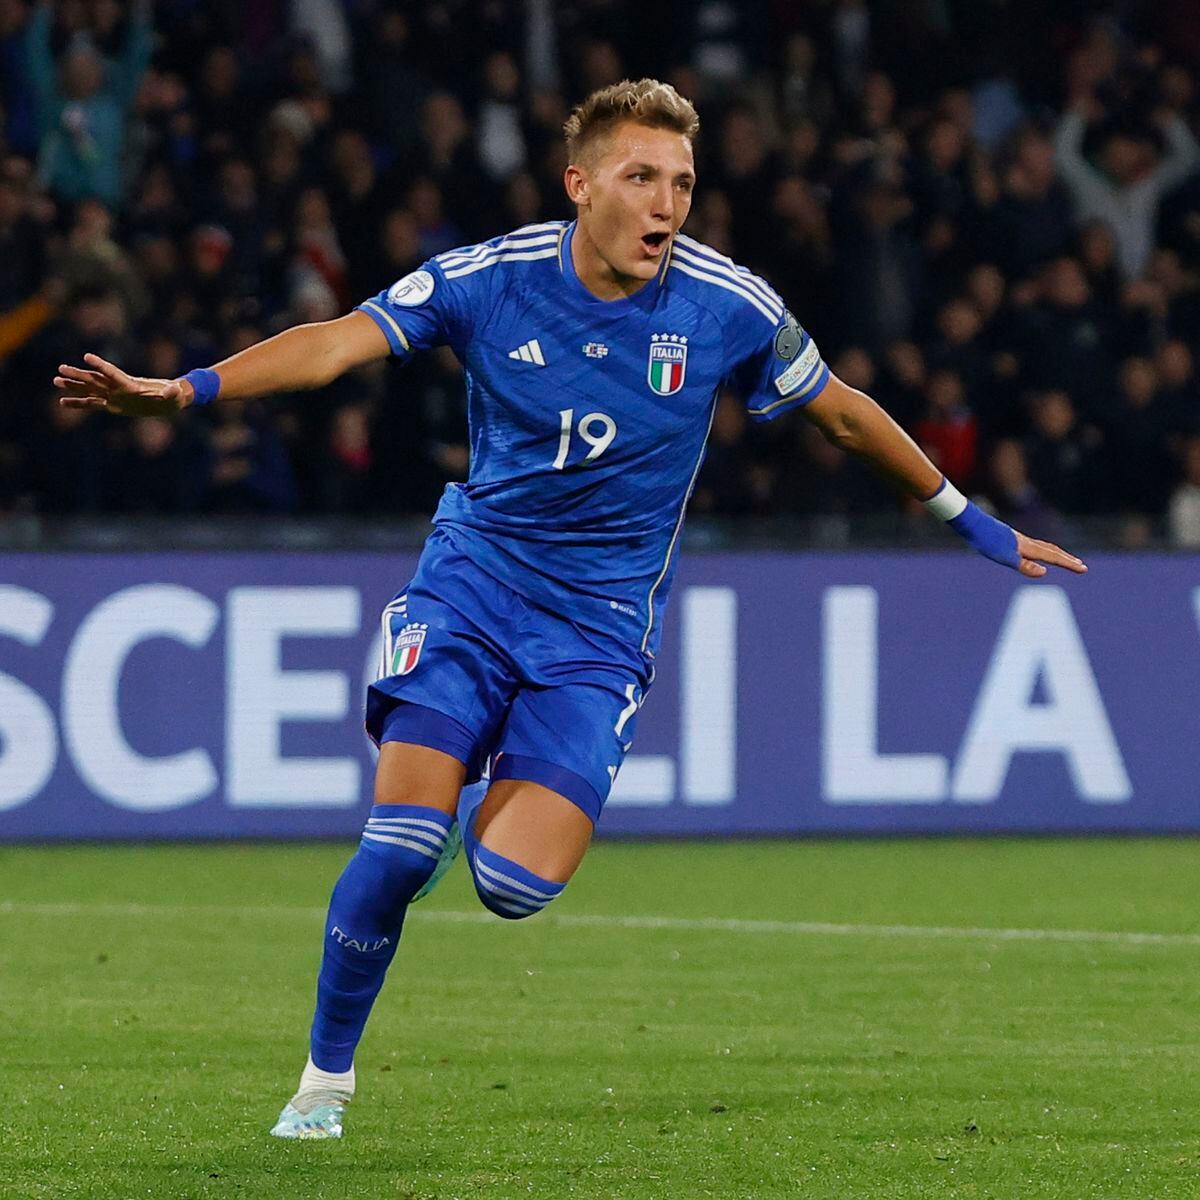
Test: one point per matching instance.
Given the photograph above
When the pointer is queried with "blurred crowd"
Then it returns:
(987, 214)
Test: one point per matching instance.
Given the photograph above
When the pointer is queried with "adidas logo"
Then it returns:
(531, 352)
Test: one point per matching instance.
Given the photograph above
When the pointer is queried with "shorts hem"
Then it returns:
(419, 725)
(558, 779)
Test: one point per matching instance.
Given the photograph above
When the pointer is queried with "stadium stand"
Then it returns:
(988, 216)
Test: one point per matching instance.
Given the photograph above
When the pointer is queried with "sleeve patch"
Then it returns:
(415, 288)
(795, 374)
(789, 339)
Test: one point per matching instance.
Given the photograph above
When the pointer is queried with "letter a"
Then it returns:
(1040, 639)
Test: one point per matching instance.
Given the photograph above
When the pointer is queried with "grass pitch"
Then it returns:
(820, 1019)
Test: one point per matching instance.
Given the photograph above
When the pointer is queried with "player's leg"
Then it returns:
(416, 791)
(559, 754)
(436, 659)
(550, 832)
(524, 845)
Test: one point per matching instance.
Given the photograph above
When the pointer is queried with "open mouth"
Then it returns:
(653, 243)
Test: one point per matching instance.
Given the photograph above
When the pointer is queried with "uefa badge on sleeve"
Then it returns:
(668, 363)
(408, 648)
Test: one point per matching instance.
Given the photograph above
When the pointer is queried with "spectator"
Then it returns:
(1066, 337)
(1183, 512)
(906, 205)
(746, 174)
(346, 482)
(1033, 218)
(161, 469)
(223, 117)
(1142, 469)
(949, 433)
(733, 481)
(81, 106)
(394, 83)
(23, 245)
(324, 24)
(64, 470)
(876, 265)
(250, 472)
(29, 297)
(1098, 257)
(1014, 497)
(523, 204)
(1064, 457)
(960, 350)
(92, 260)
(1132, 177)
(448, 161)
(1180, 394)
(16, 101)
(501, 138)
(358, 202)
(903, 385)
(317, 250)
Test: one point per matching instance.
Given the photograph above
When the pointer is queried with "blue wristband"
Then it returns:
(205, 383)
(990, 537)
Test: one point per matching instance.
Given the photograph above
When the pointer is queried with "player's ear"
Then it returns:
(575, 180)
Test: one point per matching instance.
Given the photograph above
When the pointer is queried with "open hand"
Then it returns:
(107, 386)
(1034, 554)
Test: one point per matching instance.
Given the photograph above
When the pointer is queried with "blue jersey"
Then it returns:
(588, 418)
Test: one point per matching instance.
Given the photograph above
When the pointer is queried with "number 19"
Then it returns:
(598, 444)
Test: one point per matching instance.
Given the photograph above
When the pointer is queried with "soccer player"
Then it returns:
(523, 647)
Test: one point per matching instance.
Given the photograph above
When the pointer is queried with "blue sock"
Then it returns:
(399, 849)
(506, 887)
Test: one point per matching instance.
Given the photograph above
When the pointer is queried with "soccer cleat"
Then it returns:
(324, 1120)
(444, 863)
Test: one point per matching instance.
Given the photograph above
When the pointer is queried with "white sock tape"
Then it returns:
(947, 502)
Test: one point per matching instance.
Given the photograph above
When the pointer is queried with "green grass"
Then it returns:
(154, 1003)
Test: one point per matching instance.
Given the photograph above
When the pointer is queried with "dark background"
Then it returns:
(987, 214)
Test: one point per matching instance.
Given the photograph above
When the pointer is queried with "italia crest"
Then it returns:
(408, 648)
(668, 363)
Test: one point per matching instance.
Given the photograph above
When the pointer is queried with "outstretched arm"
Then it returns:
(39, 66)
(852, 420)
(299, 359)
(1183, 154)
(1089, 188)
(126, 77)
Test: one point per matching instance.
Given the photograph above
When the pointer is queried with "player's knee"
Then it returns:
(507, 888)
(400, 847)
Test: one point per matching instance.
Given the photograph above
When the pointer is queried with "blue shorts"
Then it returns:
(476, 670)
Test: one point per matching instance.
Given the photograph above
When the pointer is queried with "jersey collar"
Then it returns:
(644, 298)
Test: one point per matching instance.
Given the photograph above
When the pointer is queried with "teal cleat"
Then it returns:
(444, 863)
(322, 1121)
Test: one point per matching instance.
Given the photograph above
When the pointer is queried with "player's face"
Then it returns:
(634, 197)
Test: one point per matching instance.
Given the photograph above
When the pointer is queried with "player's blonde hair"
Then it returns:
(646, 101)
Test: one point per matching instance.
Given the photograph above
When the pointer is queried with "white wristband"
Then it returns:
(947, 502)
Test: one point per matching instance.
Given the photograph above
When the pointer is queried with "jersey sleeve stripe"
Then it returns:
(513, 241)
(491, 251)
(744, 274)
(727, 284)
(523, 231)
(777, 406)
(526, 256)
(730, 272)
(386, 322)
(802, 385)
